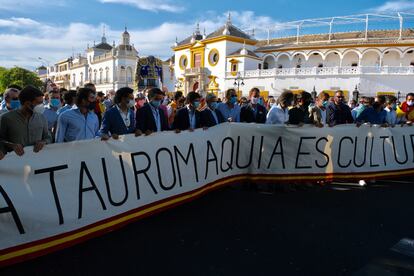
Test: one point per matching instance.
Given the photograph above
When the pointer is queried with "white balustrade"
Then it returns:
(326, 71)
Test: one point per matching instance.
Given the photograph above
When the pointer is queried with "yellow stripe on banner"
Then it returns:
(120, 220)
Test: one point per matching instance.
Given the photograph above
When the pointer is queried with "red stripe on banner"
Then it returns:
(194, 194)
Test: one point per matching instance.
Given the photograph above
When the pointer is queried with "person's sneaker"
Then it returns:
(362, 183)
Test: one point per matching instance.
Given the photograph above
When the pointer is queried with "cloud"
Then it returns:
(150, 5)
(27, 5)
(23, 40)
(394, 6)
(18, 22)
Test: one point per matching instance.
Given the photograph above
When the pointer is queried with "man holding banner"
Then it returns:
(25, 126)
(79, 123)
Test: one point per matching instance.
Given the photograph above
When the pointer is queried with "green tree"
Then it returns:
(19, 76)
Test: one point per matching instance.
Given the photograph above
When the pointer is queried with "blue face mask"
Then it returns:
(14, 104)
(213, 105)
(325, 103)
(196, 104)
(233, 100)
(394, 106)
(156, 103)
(54, 102)
(260, 101)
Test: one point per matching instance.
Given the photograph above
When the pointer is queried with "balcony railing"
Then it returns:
(326, 71)
(195, 71)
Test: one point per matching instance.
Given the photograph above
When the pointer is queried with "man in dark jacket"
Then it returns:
(339, 112)
(119, 119)
(151, 118)
(254, 112)
(211, 116)
(188, 117)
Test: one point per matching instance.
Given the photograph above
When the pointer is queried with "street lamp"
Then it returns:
(398, 97)
(238, 81)
(313, 93)
(355, 94)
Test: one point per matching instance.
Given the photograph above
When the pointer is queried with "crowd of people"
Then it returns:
(29, 117)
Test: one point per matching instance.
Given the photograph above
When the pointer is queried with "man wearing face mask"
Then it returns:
(11, 99)
(151, 118)
(188, 117)
(119, 120)
(139, 100)
(390, 108)
(279, 113)
(80, 122)
(51, 110)
(254, 112)
(25, 126)
(408, 107)
(230, 109)
(319, 113)
(210, 116)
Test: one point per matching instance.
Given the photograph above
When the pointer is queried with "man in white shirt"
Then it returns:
(279, 114)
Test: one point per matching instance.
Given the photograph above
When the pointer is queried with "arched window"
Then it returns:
(81, 79)
(129, 75)
(95, 73)
(100, 75)
(106, 74)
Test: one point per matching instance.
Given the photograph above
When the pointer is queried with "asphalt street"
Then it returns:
(339, 229)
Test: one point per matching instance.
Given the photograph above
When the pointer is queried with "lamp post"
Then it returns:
(238, 81)
(355, 94)
(313, 93)
(398, 97)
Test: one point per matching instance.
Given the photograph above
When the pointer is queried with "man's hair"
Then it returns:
(339, 91)
(83, 94)
(229, 92)
(210, 96)
(15, 86)
(122, 93)
(409, 94)
(100, 94)
(90, 86)
(152, 92)
(254, 90)
(69, 96)
(8, 91)
(285, 97)
(306, 96)
(390, 99)
(178, 95)
(381, 99)
(323, 96)
(29, 94)
(192, 96)
(61, 90)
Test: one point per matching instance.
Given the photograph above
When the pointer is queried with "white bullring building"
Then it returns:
(371, 61)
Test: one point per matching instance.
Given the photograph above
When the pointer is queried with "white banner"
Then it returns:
(74, 191)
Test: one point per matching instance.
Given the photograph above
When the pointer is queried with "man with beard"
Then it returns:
(80, 122)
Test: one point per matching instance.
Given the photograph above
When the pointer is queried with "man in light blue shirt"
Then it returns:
(80, 122)
(69, 98)
(230, 109)
(51, 110)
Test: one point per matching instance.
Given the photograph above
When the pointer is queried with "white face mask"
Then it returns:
(410, 103)
(131, 103)
(39, 109)
(254, 100)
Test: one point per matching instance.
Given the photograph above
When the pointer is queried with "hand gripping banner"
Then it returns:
(71, 192)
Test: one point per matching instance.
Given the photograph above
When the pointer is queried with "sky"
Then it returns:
(53, 30)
